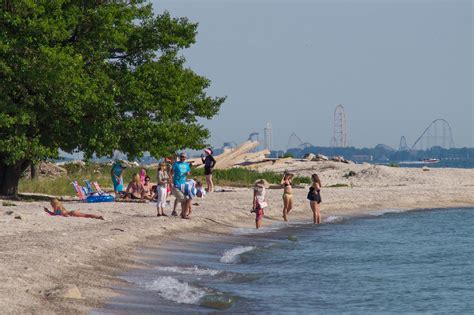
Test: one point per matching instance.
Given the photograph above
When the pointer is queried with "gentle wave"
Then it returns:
(176, 291)
(232, 255)
(333, 219)
(250, 231)
(195, 270)
(384, 211)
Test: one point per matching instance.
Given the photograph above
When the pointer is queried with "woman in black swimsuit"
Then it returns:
(314, 197)
(209, 163)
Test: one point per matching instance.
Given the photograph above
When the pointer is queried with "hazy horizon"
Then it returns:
(394, 65)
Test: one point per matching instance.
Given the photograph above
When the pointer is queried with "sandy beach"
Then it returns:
(68, 265)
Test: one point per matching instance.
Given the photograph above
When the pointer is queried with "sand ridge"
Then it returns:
(42, 255)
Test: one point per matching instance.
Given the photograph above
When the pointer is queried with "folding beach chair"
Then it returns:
(79, 190)
(97, 188)
(88, 187)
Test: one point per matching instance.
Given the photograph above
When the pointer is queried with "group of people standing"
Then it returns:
(314, 197)
(172, 179)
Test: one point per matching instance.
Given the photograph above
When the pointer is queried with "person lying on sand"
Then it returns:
(58, 209)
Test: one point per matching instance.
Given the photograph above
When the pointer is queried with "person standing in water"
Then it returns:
(209, 163)
(259, 202)
(287, 194)
(314, 197)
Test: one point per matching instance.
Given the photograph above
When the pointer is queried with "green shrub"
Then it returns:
(393, 165)
(349, 174)
(8, 204)
(338, 185)
(245, 177)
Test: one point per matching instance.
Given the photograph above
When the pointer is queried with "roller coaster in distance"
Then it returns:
(437, 134)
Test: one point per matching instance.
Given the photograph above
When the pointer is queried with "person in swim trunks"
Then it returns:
(287, 194)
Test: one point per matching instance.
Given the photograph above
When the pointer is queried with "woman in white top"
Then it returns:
(162, 177)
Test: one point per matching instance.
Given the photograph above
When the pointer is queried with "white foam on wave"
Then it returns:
(250, 231)
(231, 256)
(333, 219)
(195, 270)
(384, 211)
(176, 291)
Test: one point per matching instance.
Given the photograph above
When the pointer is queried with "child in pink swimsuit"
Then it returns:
(259, 202)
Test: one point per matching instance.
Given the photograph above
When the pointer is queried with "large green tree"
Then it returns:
(95, 76)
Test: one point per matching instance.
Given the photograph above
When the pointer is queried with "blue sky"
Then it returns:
(394, 65)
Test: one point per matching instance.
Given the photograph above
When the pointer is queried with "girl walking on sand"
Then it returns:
(287, 194)
(259, 202)
(314, 197)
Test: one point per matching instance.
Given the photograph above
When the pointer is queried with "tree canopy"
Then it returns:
(96, 76)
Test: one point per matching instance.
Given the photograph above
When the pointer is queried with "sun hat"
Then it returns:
(208, 151)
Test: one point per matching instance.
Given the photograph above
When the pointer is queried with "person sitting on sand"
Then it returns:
(314, 198)
(135, 189)
(200, 191)
(143, 175)
(259, 202)
(58, 209)
(287, 194)
(149, 188)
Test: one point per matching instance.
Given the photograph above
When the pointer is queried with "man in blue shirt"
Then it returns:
(179, 172)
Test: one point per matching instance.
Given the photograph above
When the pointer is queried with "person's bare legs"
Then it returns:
(174, 207)
(318, 213)
(209, 183)
(258, 223)
(84, 215)
(285, 206)
(183, 209)
(312, 204)
(290, 204)
(189, 205)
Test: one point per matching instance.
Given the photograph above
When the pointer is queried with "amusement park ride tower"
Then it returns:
(339, 139)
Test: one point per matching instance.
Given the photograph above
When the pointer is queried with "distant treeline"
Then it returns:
(385, 153)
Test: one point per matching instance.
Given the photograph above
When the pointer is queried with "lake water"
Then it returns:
(410, 262)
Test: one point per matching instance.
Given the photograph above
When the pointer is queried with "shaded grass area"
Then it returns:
(61, 186)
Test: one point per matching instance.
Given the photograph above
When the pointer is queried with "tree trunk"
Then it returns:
(10, 176)
(33, 171)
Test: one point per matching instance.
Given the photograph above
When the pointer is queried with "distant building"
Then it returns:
(268, 137)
